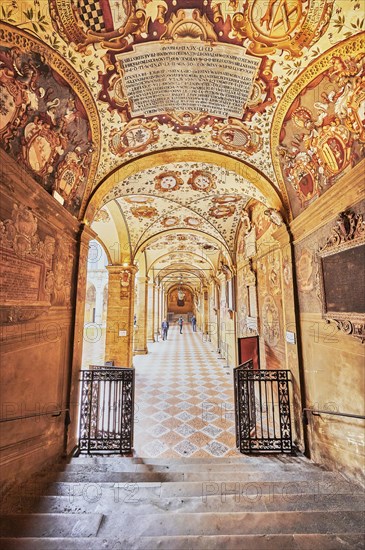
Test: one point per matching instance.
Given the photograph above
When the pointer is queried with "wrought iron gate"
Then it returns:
(262, 406)
(107, 410)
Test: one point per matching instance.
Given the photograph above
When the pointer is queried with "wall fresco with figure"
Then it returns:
(323, 134)
(44, 125)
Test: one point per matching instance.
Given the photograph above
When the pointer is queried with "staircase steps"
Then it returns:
(116, 503)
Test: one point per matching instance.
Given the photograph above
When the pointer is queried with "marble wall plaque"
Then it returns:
(20, 278)
(188, 76)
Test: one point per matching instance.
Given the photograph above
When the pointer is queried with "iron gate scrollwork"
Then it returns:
(107, 410)
(262, 405)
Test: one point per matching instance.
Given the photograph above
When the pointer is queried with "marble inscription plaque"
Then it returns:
(188, 77)
(19, 278)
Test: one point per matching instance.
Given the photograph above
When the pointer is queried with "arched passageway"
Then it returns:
(228, 171)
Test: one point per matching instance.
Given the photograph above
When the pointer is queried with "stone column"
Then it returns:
(119, 322)
(157, 323)
(205, 314)
(140, 341)
(99, 302)
(150, 312)
(86, 235)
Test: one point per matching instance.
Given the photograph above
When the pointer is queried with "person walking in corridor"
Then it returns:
(165, 328)
(193, 322)
(180, 323)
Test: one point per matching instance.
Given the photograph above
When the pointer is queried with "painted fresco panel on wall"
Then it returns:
(44, 125)
(271, 308)
(323, 134)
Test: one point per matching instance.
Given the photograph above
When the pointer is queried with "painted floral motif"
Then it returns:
(144, 211)
(168, 181)
(202, 180)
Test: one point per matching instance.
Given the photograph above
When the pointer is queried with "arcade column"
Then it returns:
(119, 323)
(140, 335)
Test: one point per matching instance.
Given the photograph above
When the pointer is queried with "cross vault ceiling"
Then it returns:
(160, 122)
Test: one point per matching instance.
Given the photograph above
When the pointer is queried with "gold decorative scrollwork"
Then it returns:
(189, 24)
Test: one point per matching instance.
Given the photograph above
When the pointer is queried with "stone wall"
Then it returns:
(39, 249)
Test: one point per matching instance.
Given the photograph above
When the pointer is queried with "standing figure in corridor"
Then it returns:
(193, 322)
(165, 328)
(180, 323)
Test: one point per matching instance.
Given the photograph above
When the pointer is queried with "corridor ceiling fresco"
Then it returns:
(278, 85)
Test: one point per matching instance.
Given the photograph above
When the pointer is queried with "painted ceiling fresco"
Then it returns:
(109, 81)
(186, 196)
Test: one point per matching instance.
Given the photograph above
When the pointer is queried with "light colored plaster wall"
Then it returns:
(333, 362)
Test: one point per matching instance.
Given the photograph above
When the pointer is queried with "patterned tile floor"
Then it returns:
(184, 399)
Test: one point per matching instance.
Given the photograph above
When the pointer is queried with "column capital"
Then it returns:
(116, 269)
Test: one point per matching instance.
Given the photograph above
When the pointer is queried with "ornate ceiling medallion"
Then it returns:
(41, 146)
(222, 211)
(288, 25)
(202, 180)
(70, 175)
(192, 222)
(170, 221)
(144, 211)
(97, 22)
(136, 137)
(138, 199)
(237, 137)
(333, 150)
(168, 181)
(226, 199)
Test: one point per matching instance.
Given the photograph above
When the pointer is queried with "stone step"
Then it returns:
(191, 489)
(232, 523)
(130, 502)
(192, 468)
(50, 525)
(239, 459)
(254, 542)
(167, 476)
(340, 541)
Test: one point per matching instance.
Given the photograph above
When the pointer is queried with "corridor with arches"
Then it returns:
(182, 159)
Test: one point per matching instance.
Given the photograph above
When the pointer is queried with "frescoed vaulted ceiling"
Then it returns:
(118, 108)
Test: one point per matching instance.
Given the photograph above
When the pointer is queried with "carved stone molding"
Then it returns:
(349, 228)
(347, 234)
(351, 327)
